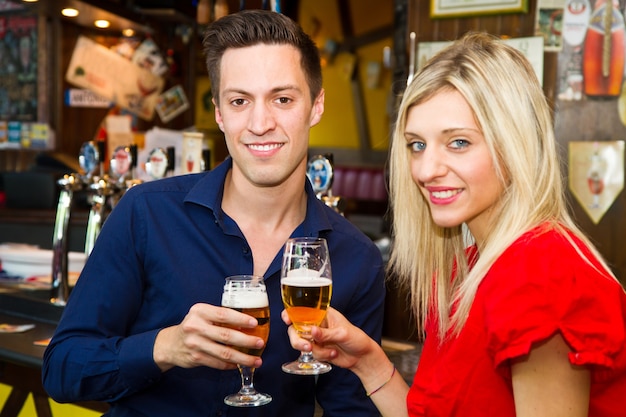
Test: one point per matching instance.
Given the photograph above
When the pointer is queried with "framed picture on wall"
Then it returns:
(19, 67)
(462, 8)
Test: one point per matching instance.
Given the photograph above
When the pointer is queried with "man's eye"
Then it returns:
(284, 100)
(238, 102)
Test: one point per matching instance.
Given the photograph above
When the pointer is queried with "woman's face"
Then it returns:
(451, 163)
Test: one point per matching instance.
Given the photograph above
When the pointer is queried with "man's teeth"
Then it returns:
(266, 147)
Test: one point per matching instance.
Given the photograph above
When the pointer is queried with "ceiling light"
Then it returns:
(102, 24)
(128, 32)
(69, 12)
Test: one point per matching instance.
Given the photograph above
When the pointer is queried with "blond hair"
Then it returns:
(509, 106)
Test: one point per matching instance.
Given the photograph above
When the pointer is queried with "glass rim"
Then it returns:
(245, 277)
(306, 239)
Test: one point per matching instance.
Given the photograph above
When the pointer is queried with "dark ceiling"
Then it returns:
(146, 15)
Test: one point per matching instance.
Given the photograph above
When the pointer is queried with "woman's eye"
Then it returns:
(459, 143)
(416, 146)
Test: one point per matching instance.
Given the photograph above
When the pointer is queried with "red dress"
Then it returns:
(539, 286)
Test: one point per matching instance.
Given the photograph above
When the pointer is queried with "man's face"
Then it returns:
(266, 113)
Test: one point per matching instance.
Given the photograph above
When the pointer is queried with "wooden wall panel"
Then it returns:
(427, 29)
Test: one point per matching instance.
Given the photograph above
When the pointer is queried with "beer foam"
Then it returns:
(296, 280)
(303, 273)
(245, 299)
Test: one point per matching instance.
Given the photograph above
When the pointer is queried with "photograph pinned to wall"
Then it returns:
(596, 175)
(549, 23)
(172, 103)
(149, 56)
(110, 75)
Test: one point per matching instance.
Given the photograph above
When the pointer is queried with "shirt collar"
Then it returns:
(209, 190)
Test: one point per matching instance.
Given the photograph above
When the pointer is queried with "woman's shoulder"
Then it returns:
(549, 263)
(549, 245)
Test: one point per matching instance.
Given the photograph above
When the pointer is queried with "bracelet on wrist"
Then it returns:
(393, 372)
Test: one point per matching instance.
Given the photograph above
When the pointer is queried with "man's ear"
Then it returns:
(218, 115)
(318, 108)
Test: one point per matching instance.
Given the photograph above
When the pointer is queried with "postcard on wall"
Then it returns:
(148, 56)
(114, 77)
(172, 103)
(596, 175)
(549, 23)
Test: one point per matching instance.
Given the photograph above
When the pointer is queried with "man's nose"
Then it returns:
(262, 119)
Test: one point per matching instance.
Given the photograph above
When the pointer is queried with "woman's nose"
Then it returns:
(430, 165)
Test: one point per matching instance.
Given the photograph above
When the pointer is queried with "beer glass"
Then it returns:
(306, 287)
(247, 294)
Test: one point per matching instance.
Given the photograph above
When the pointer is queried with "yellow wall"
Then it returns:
(338, 128)
(61, 410)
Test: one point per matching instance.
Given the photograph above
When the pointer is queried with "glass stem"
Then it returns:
(306, 357)
(247, 374)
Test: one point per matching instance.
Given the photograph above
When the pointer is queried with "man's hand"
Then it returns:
(204, 338)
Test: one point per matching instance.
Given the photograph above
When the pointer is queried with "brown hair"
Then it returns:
(256, 26)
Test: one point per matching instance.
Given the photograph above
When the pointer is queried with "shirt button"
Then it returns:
(246, 250)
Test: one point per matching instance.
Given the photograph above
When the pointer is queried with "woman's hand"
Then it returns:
(346, 346)
(338, 341)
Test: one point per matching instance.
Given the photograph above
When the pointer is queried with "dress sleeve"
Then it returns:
(540, 286)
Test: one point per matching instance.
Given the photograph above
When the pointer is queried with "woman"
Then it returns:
(526, 321)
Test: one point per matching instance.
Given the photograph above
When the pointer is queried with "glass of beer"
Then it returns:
(247, 294)
(306, 287)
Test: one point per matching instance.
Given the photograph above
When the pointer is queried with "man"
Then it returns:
(143, 327)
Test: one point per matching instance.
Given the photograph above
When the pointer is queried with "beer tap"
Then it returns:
(89, 160)
(133, 180)
(161, 162)
(100, 188)
(205, 163)
(60, 282)
(320, 173)
(171, 160)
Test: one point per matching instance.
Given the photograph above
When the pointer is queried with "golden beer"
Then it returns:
(306, 300)
(262, 330)
(255, 304)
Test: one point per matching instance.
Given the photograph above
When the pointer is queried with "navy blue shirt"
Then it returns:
(166, 246)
